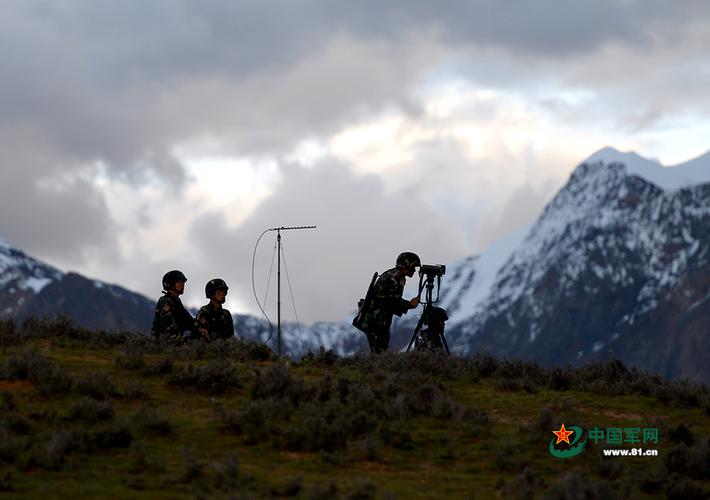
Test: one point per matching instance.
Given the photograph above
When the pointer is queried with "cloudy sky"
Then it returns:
(141, 136)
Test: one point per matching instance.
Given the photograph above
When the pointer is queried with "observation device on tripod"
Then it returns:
(431, 338)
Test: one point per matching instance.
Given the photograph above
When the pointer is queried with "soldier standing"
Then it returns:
(214, 321)
(171, 318)
(387, 300)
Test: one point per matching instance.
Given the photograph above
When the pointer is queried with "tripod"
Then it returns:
(428, 315)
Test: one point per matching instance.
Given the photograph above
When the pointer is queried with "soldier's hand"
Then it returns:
(203, 332)
(414, 302)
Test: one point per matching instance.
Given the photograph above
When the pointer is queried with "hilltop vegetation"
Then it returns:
(88, 413)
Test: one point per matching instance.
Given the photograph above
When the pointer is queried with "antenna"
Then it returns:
(278, 274)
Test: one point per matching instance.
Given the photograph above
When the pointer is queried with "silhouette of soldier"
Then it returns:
(387, 301)
(171, 318)
(214, 321)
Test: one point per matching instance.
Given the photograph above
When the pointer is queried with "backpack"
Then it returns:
(360, 319)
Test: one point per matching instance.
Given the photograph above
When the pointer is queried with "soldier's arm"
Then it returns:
(168, 321)
(230, 323)
(202, 324)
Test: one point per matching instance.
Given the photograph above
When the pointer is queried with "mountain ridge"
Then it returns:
(620, 250)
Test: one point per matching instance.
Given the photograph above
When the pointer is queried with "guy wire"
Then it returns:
(288, 279)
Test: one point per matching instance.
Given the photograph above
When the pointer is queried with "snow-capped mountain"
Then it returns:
(29, 287)
(618, 264)
(21, 278)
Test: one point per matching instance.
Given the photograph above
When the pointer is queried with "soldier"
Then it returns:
(171, 319)
(214, 321)
(387, 300)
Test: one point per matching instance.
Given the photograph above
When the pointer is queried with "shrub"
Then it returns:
(542, 426)
(148, 420)
(227, 476)
(162, 367)
(367, 449)
(323, 357)
(98, 385)
(116, 435)
(48, 377)
(8, 337)
(276, 381)
(578, 485)
(324, 492)
(690, 461)
(12, 447)
(507, 457)
(59, 445)
(292, 488)
(142, 463)
(90, 411)
(214, 378)
(322, 427)
(7, 402)
(560, 378)
(685, 489)
(253, 420)
(363, 491)
(136, 390)
(523, 485)
(6, 482)
(194, 469)
(130, 360)
(396, 436)
(484, 365)
(682, 434)
(234, 349)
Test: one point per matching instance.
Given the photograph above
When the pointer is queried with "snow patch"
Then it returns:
(487, 266)
(35, 284)
(690, 173)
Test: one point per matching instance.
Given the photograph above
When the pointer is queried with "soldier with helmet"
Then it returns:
(213, 320)
(171, 318)
(387, 300)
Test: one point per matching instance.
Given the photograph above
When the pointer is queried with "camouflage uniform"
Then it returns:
(386, 301)
(171, 318)
(217, 321)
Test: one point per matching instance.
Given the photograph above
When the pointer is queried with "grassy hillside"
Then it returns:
(90, 414)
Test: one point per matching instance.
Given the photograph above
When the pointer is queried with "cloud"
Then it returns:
(360, 230)
(99, 99)
(523, 207)
(62, 214)
(264, 76)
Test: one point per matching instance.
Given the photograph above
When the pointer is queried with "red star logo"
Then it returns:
(562, 435)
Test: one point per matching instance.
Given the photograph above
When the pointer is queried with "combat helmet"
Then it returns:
(213, 285)
(172, 277)
(408, 259)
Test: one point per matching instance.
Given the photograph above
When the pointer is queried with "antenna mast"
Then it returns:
(278, 274)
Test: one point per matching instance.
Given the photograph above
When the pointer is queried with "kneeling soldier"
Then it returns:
(214, 321)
